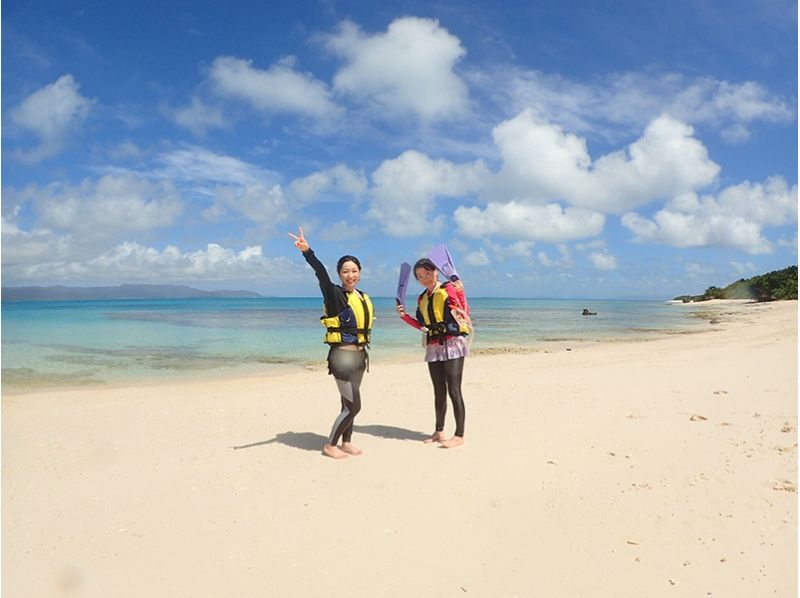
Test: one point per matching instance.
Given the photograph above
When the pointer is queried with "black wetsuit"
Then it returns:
(445, 375)
(446, 379)
(345, 365)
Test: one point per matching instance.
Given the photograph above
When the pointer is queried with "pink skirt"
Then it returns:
(452, 348)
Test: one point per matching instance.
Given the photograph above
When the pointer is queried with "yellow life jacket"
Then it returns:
(353, 325)
(438, 317)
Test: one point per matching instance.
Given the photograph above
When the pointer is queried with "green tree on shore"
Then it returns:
(772, 286)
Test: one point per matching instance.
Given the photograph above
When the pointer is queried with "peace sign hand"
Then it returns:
(300, 241)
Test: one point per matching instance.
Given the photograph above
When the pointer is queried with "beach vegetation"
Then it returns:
(772, 286)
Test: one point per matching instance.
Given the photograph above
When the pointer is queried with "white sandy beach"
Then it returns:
(631, 469)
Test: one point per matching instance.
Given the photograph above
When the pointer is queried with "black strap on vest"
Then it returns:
(367, 320)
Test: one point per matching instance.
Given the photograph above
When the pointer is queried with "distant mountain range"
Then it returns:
(123, 291)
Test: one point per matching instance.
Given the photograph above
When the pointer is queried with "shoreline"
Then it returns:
(714, 317)
(258, 371)
(661, 468)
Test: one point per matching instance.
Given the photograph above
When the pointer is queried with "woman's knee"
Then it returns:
(355, 406)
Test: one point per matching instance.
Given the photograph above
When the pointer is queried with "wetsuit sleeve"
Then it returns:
(457, 298)
(463, 298)
(332, 294)
(411, 321)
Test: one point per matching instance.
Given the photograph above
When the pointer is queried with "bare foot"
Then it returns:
(350, 449)
(453, 442)
(435, 437)
(334, 452)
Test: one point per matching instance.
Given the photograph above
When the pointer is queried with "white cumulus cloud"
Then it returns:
(541, 163)
(734, 218)
(52, 113)
(405, 189)
(406, 69)
(201, 169)
(199, 117)
(108, 207)
(619, 103)
(258, 203)
(477, 258)
(279, 89)
(547, 187)
(337, 179)
(131, 261)
(76, 223)
(603, 260)
(224, 186)
(520, 249)
(708, 100)
(22, 248)
(564, 259)
(550, 223)
(341, 229)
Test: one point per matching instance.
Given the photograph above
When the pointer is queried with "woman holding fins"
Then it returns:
(348, 319)
(442, 313)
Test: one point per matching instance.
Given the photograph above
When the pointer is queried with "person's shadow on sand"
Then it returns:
(382, 431)
(307, 441)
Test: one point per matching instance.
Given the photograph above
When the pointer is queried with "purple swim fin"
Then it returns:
(402, 283)
(440, 256)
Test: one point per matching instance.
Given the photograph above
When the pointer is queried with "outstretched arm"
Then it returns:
(319, 269)
(408, 319)
(334, 302)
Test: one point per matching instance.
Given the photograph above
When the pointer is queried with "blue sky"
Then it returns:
(575, 150)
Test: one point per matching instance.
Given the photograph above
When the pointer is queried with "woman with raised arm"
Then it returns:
(443, 313)
(348, 320)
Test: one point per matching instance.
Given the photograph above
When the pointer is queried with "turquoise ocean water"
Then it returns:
(63, 343)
